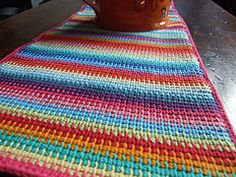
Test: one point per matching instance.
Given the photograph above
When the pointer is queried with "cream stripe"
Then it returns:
(191, 142)
(151, 85)
(20, 154)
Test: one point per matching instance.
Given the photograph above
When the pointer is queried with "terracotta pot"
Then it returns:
(131, 15)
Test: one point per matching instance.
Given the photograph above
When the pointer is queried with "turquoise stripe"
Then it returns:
(201, 132)
(158, 34)
(102, 60)
(117, 38)
(159, 94)
(113, 57)
(87, 11)
(103, 162)
(161, 35)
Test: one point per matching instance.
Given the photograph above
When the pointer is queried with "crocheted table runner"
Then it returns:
(82, 101)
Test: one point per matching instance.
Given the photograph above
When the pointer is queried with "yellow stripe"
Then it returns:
(114, 149)
(125, 42)
(119, 52)
(126, 82)
(19, 154)
(154, 137)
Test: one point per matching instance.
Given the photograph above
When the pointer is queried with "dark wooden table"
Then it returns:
(214, 33)
(213, 30)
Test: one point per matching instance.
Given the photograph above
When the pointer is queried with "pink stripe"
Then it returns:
(224, 118)
(21, 168)
(78, 101)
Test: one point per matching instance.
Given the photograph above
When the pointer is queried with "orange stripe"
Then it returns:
(112, 44)
(25, 130)
(110, 72)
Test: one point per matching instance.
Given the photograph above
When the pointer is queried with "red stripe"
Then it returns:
(124, 141)
(109, 106)
(111, 72)
(129, 37)
(113, 45)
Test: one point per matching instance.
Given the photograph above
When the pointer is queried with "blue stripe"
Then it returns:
(102, 162)
(123, 38)
(152, 94)
(160, 35)
(123, 58)
(139, 124)
(157, 34)
(103, 61)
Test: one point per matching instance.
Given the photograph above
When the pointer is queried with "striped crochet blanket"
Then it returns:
(82, 101)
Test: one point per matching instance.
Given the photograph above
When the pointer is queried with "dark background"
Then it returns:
(228, 5)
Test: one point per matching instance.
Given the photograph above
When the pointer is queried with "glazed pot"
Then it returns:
(131, 15)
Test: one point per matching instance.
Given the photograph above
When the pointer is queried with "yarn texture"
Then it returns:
(82, 101)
